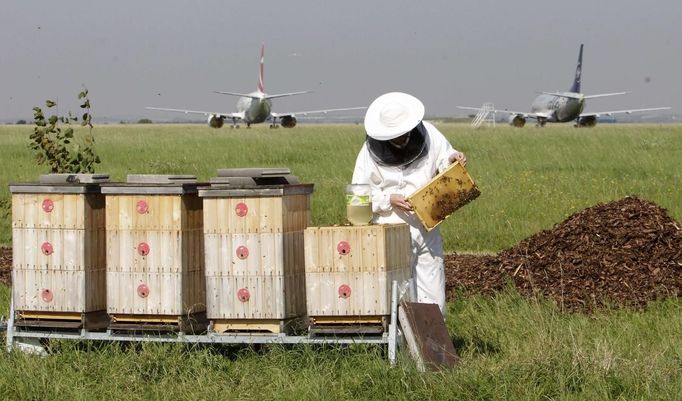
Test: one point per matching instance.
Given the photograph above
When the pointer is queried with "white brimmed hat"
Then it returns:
(392, 115)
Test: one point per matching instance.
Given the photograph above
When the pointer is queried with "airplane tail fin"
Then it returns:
(261, 85)
(578, 71)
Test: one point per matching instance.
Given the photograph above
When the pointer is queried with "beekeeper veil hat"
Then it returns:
(392, 115)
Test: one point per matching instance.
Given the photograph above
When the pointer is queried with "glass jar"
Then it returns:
(358, 204)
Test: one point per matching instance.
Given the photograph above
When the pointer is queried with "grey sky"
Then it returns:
(173, 53)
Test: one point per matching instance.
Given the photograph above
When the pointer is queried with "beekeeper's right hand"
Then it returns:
(398, 201)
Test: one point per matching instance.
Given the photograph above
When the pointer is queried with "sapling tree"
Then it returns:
(54, 143)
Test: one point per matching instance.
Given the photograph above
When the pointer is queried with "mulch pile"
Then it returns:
(622, 254)
(5, 265)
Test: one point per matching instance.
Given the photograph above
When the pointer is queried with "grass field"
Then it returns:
(510, 348)
(530, 178)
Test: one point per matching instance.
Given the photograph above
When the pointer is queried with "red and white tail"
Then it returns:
(260, 93)
(261, 85)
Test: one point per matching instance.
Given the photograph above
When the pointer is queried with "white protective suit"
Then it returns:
(427, 247)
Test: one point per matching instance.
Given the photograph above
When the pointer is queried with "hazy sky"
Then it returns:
(173, 53)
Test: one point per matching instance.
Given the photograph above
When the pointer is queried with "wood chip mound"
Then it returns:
(5, 265)
(624, 253)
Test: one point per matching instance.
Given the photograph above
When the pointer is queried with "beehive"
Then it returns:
(155, 264)
(253, 240)
(443, 195)
(58, 243)
(349, 269)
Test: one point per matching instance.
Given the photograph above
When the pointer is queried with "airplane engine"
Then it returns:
(517, 120)
(588, 121)
(215, 121)
(288, 121)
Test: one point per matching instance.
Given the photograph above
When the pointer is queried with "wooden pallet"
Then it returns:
(342, 325)
(191, 323)
(97, 320)
(255, 326)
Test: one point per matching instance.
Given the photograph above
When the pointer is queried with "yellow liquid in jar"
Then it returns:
(359, 215)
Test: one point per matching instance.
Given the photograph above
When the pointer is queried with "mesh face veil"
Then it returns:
(401, 151)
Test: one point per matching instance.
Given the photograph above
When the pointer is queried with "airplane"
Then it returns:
(560, 107)
(255, 107)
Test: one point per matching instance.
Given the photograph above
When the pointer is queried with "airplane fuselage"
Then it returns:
(256, 109)
(558, 109)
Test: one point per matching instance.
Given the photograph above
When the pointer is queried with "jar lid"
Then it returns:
(358, 189)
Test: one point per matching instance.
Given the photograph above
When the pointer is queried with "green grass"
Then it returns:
(530, 178)
(510, 347)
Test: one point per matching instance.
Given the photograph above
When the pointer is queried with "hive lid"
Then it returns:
(153, 184)
(73, 178)
(253, 178)
(443, 195)
(159, 179)
(254, 172)
(66, 183)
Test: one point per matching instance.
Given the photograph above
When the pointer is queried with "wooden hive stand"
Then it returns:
(194, 322)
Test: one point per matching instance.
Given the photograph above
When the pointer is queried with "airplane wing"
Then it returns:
(305, 113)
(205, 113)
(610, 113)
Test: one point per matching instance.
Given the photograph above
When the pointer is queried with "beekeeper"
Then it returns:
(401, 154)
